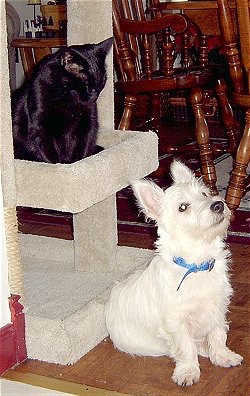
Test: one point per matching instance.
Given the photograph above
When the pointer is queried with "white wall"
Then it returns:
(25, 12)
(4, 285)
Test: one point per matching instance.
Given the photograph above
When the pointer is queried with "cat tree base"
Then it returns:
(66, 283)
(65, 309)
(68, 274)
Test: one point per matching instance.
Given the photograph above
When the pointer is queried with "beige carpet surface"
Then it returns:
(65, 310)
(56, 295)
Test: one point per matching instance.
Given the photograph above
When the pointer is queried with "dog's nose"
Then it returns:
(217, 207)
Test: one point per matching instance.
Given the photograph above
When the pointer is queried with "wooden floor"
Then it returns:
(106, 368)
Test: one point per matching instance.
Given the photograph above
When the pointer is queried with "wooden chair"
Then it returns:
(145, 52)
(237, 46)
(32, 50)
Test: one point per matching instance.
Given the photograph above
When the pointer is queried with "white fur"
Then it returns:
(146, 315)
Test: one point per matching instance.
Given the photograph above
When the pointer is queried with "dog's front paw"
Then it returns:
(226, 358)
(186, 375)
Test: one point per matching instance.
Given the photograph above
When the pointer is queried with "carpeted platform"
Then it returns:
(65, 309)
(66, 282)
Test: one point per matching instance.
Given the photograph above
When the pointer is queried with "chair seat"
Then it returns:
(180, 80)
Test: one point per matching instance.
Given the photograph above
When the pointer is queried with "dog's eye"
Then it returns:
(204, 194)
(183, 207)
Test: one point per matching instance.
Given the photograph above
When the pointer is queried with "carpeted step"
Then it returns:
(65, 309)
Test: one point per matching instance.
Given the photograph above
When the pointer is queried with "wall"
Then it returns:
(25, 12)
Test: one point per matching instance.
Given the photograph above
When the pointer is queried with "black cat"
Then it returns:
(55, 112)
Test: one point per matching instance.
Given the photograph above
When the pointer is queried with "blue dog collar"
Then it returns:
(205, 266)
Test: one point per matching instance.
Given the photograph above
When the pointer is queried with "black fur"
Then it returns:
(55, 113)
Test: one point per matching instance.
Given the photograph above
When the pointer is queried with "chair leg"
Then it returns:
(155, 110)
(129, 106)
(202, 137)
(232, 127)
(236, 184)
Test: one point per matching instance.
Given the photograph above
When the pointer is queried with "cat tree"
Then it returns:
(66, 283)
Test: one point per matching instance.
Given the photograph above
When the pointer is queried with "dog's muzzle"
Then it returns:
(217, 207)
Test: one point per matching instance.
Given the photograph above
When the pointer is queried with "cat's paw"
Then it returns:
(226, 358)
(186, 375)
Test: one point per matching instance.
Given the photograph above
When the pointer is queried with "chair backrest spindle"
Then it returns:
(243, 16)
(203, 51)
(147, 60)
(124, 54)
(184, 54)
(144, 46)
(168, 58)
(238, 57)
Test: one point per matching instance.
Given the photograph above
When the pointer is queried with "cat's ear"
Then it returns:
(66, 57)
(104, 46)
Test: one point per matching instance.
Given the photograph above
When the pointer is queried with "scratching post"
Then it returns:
(67, 283)
(7, 167)
(13, 253)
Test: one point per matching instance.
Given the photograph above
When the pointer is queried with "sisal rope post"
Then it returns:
(13, 252)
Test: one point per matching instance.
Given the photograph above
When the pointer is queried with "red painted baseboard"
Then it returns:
(12, 337)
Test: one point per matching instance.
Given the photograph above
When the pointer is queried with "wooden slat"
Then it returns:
(178, 23)
(40, 43)
(244, 32)
(32, 50)
(191, 5)
(40, 53)
(204, 13)
(27, 61)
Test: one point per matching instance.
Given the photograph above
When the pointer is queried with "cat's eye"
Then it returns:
(183, 207)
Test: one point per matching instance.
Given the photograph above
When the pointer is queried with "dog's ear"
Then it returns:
(180, 173)
(149, 196)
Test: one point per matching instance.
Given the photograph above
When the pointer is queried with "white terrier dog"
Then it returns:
(177, 306)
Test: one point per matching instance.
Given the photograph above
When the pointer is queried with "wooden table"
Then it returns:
(204, 13)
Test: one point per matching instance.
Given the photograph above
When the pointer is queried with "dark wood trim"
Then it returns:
(45, 222)
(12, 337)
